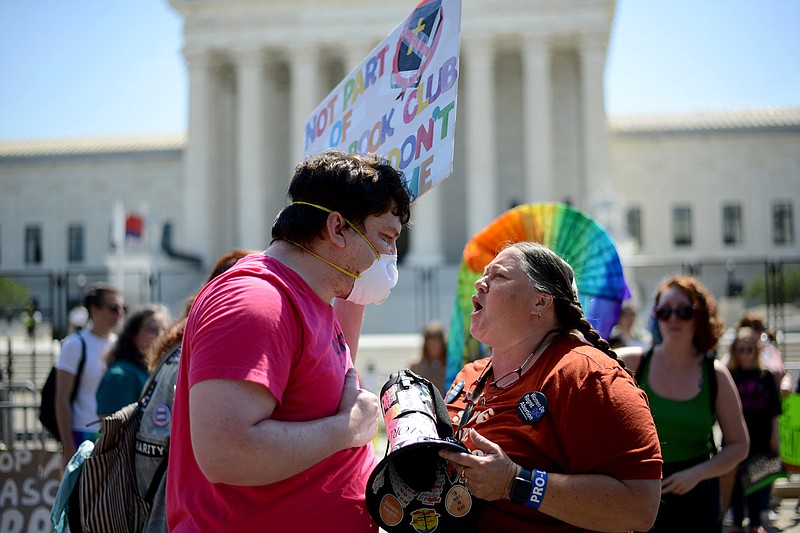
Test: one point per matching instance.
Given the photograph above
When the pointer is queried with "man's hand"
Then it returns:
(361, 409)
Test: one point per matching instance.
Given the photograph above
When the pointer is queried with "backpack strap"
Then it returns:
(644, 362)
(156, 481)
(80, 369)
(147, 391)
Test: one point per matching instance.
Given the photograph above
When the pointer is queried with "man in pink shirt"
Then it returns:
(270, 430)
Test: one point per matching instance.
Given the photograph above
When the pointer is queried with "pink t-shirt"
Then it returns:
(261, 322)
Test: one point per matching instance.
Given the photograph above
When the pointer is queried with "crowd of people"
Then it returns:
(260, 408)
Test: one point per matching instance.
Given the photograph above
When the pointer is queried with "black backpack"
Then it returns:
(47, 408)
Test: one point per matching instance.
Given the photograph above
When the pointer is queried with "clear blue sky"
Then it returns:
(114, 67)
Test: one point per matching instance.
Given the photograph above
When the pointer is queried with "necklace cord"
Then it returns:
(480, 383)
(541, 342)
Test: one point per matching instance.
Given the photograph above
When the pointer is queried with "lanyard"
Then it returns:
(477, 388)
(472, 398)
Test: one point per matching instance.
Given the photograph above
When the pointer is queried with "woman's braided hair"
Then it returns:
(552, 275)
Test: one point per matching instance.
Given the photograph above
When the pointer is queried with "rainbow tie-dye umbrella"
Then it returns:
(570, 233)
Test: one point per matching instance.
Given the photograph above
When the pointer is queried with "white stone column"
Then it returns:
(425, 247)
(481, 156)
(198, 163)
(275, 176)
(595, 127)
(304, 79)
(537, 126)
(355, 54)
(251, 224)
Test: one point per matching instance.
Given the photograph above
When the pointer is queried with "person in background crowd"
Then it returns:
(687, 389)
(77, 421)
(560, 437)
(433, 359)
(126, 372)
(761, 404)
(771, 357)
(623, 333)
(78, 317)
(270, 429)
(32, 318)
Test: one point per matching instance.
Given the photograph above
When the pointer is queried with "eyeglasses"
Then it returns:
(685, 312)
(513, 376)
(152, 329)
(473, 395)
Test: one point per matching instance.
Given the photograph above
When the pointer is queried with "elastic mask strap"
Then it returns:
(377, 255)
(337, 267)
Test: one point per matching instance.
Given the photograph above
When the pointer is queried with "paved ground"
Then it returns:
(786, 521)
(784, 517)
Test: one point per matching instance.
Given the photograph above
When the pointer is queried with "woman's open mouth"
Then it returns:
(475, 304)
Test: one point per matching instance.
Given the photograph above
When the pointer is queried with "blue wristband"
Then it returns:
(539, 481)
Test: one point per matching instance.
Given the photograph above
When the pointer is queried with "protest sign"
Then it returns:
(29, 481)
(400, 102)
(789, 432)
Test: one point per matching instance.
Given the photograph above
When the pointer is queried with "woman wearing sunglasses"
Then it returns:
(126, 371)
(560, 437)
(688, 390)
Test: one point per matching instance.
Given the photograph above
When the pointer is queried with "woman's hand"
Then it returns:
(680, 482)
(487, 472)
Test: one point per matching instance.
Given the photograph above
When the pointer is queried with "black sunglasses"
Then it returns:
(685, 312)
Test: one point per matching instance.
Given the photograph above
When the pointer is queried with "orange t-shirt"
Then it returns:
(597, 421)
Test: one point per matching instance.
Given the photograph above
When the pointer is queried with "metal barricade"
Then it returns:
(19, 422)
(30, 462)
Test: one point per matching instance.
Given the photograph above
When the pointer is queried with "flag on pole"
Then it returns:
(134, 227)
(119, 243)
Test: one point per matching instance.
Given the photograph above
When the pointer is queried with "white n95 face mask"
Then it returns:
(376, 282)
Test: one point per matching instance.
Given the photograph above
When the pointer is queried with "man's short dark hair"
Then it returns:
(96, 294)
(357, 186)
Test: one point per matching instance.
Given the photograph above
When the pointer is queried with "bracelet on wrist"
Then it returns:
(539, 484)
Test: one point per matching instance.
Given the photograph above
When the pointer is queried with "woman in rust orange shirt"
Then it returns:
(560, 436)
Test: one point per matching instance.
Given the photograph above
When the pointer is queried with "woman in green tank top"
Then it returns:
(687, 393)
